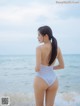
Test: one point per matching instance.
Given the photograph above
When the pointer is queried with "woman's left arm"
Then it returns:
(38, 59)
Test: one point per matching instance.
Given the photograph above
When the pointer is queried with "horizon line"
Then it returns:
(35, 54)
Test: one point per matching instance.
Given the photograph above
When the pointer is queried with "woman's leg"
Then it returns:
(51, 93)
(39, 90)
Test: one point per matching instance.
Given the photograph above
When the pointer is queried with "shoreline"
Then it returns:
(27, 99)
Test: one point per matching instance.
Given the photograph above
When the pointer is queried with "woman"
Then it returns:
(46, 81)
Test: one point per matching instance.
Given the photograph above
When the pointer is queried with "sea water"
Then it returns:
(17, 74)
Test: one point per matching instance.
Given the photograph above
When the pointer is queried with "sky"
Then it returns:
(20, 19)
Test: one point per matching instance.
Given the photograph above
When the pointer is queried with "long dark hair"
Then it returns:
(43, 30)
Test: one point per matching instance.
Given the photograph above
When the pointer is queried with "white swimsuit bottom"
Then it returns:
(47, 74)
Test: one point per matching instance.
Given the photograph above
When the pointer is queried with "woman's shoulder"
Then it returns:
(40, 47)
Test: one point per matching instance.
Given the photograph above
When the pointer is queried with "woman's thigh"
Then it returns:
(51, 93)
(39, 90)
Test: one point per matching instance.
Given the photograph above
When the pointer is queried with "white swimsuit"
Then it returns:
(47, 74)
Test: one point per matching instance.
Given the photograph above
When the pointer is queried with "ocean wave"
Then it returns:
(73, 66)
(27, 99)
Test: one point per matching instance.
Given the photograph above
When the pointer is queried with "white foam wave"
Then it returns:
(62, 99)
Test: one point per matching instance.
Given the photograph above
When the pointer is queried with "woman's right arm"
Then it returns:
(60, 60)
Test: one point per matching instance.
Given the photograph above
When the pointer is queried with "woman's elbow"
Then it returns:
(62, 67)
(37, 69)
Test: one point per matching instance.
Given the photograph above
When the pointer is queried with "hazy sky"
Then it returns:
(20, 19)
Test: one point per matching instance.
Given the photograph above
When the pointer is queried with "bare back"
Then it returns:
(46, 53)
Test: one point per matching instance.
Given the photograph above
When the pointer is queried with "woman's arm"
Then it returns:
(38, 59)
(60, 60)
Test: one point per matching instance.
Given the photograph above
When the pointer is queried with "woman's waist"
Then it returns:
(46, 68)
(45, 71)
